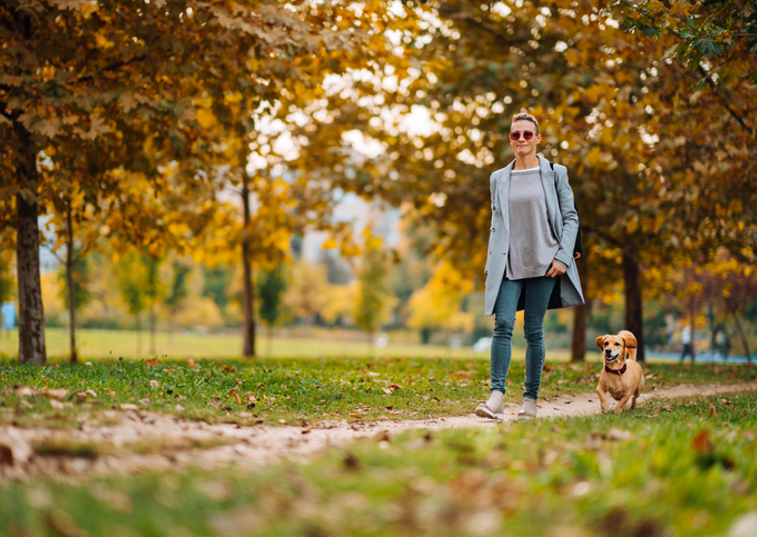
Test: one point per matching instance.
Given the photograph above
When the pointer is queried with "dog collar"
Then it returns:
(617, 371)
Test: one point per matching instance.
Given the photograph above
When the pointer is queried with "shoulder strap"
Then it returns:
(578, 248)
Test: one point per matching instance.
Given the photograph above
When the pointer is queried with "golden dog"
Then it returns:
(622, 377)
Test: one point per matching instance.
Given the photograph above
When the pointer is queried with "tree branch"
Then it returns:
(109, 68)
(714, 88)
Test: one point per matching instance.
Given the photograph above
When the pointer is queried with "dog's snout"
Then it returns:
(608, 352)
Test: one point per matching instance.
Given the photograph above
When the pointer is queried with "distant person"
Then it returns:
(532, 252)
(687, 345)
(725, 344)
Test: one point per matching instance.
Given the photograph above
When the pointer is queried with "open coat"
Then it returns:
(563, 218)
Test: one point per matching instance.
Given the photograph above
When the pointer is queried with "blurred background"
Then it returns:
(283, 179)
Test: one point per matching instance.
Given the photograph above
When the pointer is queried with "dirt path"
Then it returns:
(143, 440)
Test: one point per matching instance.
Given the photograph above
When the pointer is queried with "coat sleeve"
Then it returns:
(569, 216)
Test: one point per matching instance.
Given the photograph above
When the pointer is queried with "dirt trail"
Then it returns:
(173, 440)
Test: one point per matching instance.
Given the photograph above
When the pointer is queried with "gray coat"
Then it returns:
(563, 219)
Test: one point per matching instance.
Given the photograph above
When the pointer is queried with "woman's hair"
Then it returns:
(526, 117)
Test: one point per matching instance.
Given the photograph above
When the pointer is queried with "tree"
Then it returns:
(74, 275)
(271, 286)
(139, 282)
(374, 300)
(178, 291)
(130, 79)
(438, 305)
(616, 110)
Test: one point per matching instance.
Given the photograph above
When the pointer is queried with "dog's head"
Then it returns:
(615, 348)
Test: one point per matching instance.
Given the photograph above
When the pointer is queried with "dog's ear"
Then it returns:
(600, 341)
(630, 341)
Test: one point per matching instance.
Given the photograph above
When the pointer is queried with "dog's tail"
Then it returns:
(631, 343)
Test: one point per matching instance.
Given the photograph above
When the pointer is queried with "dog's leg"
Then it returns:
(622, 403)
(603, 400)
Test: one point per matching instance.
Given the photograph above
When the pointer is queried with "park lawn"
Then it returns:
(679, 467)
(311, 343)
(296, 391)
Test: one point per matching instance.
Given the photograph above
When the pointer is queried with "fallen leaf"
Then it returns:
(619, 435)
(713, 411)
(154, 384)
(702, 443)
(146, 401)
(725, 401)
(356, 415)
(350, 461)
(191, 363)
(152, 362)
(386, 390)
(26, 391)
(56, 393)
(128, 406)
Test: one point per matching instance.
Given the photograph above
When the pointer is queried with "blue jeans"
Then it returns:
(536, 295)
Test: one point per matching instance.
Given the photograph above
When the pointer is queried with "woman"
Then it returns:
(530, 260)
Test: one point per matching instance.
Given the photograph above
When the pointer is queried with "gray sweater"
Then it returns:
(532, 244)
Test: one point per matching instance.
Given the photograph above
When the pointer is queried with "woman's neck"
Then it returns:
(526, 163)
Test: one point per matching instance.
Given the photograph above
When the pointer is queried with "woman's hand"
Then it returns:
(557, 269)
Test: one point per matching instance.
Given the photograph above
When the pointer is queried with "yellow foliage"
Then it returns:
(438, 303)
(199, 312)
(54, 306)
(340, 303)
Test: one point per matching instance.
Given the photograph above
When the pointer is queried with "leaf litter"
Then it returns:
(135, 439)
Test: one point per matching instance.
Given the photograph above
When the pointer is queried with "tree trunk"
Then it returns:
(139, 334)
(742, 337)
(70, 283)
(152, 329)
(692, 325)
(578, 338)
(31, 318)
(633, 313)
(249, 296)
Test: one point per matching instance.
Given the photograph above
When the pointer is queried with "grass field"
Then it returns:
(670, 468)
(269, 390)
(97, 344)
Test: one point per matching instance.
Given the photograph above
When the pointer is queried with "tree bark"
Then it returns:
(578, 338)
(70, 284)
(742, 337)
(633, 312)
(249, 295)
(31, 318)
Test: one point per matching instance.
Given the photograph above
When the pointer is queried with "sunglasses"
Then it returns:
(527, 135)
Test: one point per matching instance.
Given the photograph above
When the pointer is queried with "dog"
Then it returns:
(622, 377)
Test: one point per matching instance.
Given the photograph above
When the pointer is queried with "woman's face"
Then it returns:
(522, 146)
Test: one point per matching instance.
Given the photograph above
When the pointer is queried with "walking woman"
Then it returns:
(531, 260)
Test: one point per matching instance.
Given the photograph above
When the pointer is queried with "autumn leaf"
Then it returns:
(702, 443)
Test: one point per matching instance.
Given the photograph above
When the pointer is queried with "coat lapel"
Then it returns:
(550, 194)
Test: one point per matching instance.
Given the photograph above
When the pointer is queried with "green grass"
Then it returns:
(300, 390)
(682, 467)
(98, 344)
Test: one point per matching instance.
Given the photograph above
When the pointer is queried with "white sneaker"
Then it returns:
(494, 408)
(529, 409)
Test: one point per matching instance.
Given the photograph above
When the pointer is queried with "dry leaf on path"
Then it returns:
(702, 443)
